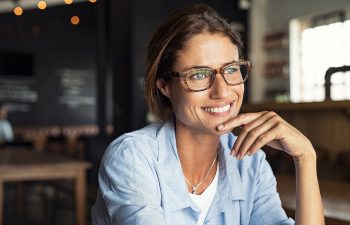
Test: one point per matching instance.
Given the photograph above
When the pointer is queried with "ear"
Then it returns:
(163, 87)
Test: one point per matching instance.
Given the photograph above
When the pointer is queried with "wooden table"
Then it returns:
(335, 196)
(26, 165)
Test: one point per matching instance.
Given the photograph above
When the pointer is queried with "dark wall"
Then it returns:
(61, 90)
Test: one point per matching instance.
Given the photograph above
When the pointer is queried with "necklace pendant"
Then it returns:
(194, 189)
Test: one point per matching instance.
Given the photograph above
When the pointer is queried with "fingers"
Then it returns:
(239, 120)
(250, 134)
(256, 129)
(265, 128)
(263, 140)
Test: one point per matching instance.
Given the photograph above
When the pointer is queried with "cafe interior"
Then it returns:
(71, 79)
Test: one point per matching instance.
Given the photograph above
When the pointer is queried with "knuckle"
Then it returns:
(279, 125)
(265, 112)
(246, 130)
(275, 117)
(272, 114)
(233, 123)
(252, 133)
(262, 139)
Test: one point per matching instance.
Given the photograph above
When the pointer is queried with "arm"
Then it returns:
(267, 128)
(129, 192)
(309, 209)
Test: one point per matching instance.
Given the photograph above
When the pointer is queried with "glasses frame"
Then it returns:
(183, 75)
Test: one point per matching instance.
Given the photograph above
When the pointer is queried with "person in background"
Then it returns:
(189, 168)
(6, 132)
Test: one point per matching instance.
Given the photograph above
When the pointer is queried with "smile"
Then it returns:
(218, 109)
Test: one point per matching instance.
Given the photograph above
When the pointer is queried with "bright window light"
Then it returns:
(323, 47)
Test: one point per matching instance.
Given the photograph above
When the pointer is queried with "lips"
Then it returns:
(221, 109)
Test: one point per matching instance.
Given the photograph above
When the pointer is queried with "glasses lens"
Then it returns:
(235, 73)
(199, 79)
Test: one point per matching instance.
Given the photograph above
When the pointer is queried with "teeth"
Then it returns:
(219, 109)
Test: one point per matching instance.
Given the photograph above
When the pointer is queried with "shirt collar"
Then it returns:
(230, 186)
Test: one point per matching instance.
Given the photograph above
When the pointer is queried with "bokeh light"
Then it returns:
(68, 2)
(75, 20)
(18, 11)
(42, 5)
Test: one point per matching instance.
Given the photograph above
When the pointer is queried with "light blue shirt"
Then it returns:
(141, 183)
(6, 132)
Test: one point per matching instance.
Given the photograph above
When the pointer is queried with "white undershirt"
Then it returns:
(204, 200)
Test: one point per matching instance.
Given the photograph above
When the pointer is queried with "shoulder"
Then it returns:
(130, 158)
(141, 143)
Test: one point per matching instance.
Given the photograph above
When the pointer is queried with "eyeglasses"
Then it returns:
(203, 78)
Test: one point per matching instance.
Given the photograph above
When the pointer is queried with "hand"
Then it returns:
(265, 128)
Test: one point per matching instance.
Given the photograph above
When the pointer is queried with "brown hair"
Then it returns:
(170, 37)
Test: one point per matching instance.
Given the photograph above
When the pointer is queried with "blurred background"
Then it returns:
(71, 76)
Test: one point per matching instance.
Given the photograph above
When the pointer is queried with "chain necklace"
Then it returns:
(194, 187)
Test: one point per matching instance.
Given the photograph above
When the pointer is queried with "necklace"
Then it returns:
(194, 187)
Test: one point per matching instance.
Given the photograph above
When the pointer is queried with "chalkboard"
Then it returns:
(61, 87)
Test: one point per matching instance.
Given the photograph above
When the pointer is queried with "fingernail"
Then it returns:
(233, 153)
(248, 153)
(220, 127)
(238, 156)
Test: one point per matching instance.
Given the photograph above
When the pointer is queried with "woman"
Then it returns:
(190, 168)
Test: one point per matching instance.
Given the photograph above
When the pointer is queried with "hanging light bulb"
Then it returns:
(42, 5)
(92, 1)
(68, 2)
(18, 11)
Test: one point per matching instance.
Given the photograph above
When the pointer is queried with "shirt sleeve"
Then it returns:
(267, 207)
(128, 186)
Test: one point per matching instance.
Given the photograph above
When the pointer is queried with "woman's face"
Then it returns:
(203, 111)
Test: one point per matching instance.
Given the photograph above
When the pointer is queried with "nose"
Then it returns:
(219, 88)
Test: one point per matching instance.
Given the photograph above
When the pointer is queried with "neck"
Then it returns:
(197, 152)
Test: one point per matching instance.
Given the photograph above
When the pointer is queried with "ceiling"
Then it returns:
(8, 5)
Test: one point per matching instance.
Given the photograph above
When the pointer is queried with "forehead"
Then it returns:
(205, 49)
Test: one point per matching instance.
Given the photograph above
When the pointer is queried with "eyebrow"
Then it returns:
(201, 67)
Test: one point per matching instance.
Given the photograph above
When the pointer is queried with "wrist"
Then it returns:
(308, 157)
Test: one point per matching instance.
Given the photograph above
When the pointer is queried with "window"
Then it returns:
(316, 48)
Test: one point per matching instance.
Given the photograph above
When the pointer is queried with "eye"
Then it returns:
(231, 69)
(200, 75)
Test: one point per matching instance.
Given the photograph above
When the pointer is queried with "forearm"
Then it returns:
(309, 209)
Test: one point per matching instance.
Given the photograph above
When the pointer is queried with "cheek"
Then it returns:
(185, 104)
(240, 92)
